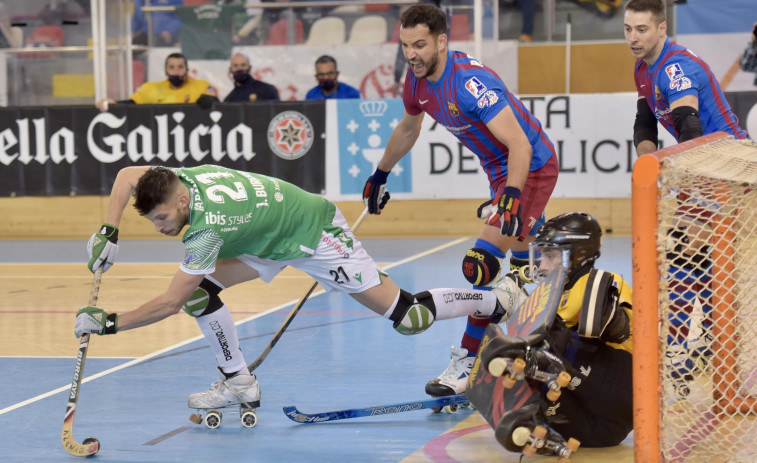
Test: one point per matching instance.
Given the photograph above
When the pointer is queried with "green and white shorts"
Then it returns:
(339, 263)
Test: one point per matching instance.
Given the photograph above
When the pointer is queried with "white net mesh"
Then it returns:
(707, 243)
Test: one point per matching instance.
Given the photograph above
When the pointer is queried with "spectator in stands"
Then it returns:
(328, 83)
(178, 88)
(58, 11)
(7, 39)
(528, 10)
(749, 58)
(165, 24)
(246, 87)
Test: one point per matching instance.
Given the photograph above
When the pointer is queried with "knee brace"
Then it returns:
(204, 300)
(413, 314)
(480, 265)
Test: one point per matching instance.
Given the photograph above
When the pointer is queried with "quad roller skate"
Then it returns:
(527, 357)
(526, 431)
(240, 394)
(452, 380)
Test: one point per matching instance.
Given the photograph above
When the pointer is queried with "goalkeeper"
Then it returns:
(245, 226)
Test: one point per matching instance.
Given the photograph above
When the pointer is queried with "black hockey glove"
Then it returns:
(375, 195)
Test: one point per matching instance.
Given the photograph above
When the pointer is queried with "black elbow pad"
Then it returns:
(686, 122)
(645, 126)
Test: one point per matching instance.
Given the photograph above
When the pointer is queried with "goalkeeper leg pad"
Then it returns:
(413, 314)
(204, 300)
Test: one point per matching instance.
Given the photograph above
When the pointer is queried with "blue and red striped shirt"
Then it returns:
(679, 72)
(463, 100)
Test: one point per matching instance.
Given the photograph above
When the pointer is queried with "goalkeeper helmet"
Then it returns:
(577, 232)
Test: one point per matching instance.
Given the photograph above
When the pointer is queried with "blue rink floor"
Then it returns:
(335, 355)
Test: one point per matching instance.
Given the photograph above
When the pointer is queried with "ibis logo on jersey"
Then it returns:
(290, 135)
(475, 87)
(489, 99)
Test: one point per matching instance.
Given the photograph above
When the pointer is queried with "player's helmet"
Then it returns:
(578, 232)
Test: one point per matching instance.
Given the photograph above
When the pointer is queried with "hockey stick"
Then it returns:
(90, 446)
(256, 363)
(436, 402)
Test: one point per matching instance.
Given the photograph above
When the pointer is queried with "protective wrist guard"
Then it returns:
(109, 231)
(111, 324)
(645, 125)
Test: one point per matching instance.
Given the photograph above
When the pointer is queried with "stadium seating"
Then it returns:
(278, 34)
(327, 31)
(368, 30)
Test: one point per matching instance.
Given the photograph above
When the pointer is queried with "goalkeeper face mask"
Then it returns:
(545, 257)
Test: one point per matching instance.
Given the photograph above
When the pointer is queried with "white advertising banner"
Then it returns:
(592, 134)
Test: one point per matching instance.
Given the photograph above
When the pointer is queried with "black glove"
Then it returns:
(504, 212)
(375, 195)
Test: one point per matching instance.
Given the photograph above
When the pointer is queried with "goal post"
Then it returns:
(694, 238)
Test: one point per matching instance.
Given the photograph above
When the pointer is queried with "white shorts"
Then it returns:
(335, 265)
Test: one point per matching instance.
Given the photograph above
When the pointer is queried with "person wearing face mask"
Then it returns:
(177, 88)
(246, 87)
(328, 83)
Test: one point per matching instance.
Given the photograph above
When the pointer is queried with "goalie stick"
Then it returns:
(436, 402)
(256, 363)
(90, 445)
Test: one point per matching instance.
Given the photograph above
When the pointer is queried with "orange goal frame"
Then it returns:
(646, 320)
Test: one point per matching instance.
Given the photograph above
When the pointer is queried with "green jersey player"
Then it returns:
(243, 226)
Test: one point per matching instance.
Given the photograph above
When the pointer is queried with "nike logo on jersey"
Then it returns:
(642, 85)
(422, 101)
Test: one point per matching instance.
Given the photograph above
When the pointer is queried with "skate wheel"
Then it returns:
(195, 418)
(508, 381)
(571, 446)
(249, 419)
(497, 367)
(518, 366)
(436, 409)
(563, 379)
(536, 441)
(213, 419)
(553, 395)
(520, 436)
(451, 408)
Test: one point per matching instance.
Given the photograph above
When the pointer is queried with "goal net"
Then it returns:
(695, 302)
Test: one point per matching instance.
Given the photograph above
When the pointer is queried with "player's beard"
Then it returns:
(429, 66)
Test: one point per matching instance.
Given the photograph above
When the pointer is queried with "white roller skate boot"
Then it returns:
(240, 393)
(510, 295)
(452, 380)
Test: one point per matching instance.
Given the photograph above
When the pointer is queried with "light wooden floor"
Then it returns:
(38, 302)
